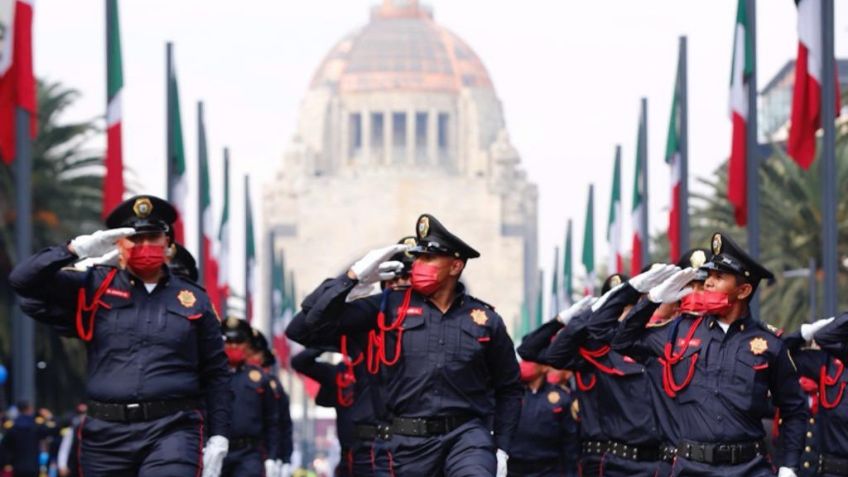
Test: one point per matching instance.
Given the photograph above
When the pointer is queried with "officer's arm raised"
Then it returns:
(330, 311)
(41, 276)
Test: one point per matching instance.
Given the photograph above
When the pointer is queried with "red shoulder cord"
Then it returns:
(578, 378)
(825, 381)
(376, 352)
(670, 359)
(591, 357)
(346, 378)
(91, 309)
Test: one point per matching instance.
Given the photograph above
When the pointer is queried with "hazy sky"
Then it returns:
(569, 74)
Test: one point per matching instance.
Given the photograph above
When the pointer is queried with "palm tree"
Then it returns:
(66, 189)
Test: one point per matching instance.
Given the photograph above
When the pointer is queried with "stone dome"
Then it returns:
(401, 49)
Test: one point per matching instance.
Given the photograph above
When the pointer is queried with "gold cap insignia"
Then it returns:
(758, 346)
(615, 280)
(553, 397)
(423, 226)
(716, 244)
(232, 322)
(698, 259)
(479, 316)
(186, 298)
(254, 376)
(142, 207)
(409, 242)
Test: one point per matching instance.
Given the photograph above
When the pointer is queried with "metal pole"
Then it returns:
(202, 166)
(23, 328)
(684, 146)
(248, 219)
(828, 164)
(169, 127)
(751, 151)
(812, 284)
(272, 309)
(643, 154)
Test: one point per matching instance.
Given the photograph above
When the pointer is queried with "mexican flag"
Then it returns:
(17, 81)
(589, 245)
(208, 263)
(807, 97)
(555, 290)
(741, 70)
(637, 211)
(567, 274)
(113, 181)
(615, 223)
(178, 192)
(222, 252)
(281, 313)
(249, 254)
(673, 158)
(540, 305)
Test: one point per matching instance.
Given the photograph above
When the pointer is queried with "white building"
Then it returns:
(402, 118)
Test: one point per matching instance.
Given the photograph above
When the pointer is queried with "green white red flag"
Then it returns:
(741, 71)
(615, 223)
(17, 81)
(178, 193)
(113, 181)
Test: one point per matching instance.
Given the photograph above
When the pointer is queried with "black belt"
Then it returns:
(720, 454)
(365, 432)
(519, 466)
(139, 411)
(667, 453)
(427, 426)
(243, 442)
(625, 451)
(831, 464)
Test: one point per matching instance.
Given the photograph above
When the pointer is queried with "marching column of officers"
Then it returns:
(667, 373)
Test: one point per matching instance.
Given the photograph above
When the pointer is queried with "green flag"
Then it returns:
(589, 244)
(567, 274)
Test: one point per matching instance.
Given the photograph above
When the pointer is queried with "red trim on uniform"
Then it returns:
(373, 459)
(199, 445)
(670, 359)
(79, 446)
(484, 339)
(391, 464)
(826, 381)
(92, 309)
(349, 459)
(578, 378)
(195, 316)
(558, 410)
(118, 293)
(760, 367)
(591, 355)
(415, 310)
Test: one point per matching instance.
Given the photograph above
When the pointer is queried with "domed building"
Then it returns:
(402, 118)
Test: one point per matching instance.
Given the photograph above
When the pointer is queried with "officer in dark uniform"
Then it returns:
(724, 366)
(260, 354)
(447, 362)
(256, 427)
(545, 430)
(155, 354)
(22, 442)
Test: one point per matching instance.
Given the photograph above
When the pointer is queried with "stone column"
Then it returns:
(344, 142)
(410, 136)
(366, 135)
(388, 136)
(433, 137)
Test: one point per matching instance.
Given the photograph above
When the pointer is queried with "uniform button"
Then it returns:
(806, 465)
(809, 434)
(808, 449)
(812, 420)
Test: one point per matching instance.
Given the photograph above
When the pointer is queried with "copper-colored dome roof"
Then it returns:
(401, 49)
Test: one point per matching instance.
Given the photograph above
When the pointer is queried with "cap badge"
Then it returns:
(254, 376)
(479, 316)
(758, 346)
(553, 397)
(142, 207)
(409, 242)
(423, 226)
(232, 322)
(716, 244)
(186, 298)
(698, 259)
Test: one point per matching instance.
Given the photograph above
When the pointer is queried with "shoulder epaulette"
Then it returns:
(770, 328)
(8, 424)
(482, 302)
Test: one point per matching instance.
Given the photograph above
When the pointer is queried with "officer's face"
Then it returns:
(729, 283)
(148, 238)
(447, 266)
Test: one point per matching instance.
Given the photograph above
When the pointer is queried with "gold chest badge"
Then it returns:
(254, 376)
(186, 298)
(479, 316)
(758, 346)
(553, 397)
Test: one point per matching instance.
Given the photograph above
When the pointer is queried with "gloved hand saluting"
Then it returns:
(809, 330)
(373, 267)
(98, 243)
(213, 455)
(671, 290)
(109, 258)
(657, 274)
(578, 307)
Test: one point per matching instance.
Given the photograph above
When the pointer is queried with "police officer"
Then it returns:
(155, 353)
(545, 430)
(22, 442)
(255, 434)
(259, 354)
(724, 367)
(448, 364)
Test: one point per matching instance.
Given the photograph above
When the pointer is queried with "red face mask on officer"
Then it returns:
(144, 254)
(236, 353)
(429, 272)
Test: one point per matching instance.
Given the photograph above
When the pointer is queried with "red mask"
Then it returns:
(425, 278)
(527, 371)
(235, 355)
(146, 259)
(255, 361)
(554, 377)
(705, 302)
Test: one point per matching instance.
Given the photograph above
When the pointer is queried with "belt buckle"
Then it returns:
(420, 426)
(133, 410)
(723, 449)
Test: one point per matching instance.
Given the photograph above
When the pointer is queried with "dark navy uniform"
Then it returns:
(833, 338)
(22, 443)
(545, 432)
(286, 446)
(446, 375)
(155, 359)
(723, 382)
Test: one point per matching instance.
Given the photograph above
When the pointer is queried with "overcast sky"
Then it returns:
(569, 74)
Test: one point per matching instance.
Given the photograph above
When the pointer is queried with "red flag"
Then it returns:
(17, 81)
(741, 71)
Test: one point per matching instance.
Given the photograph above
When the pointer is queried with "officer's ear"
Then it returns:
(171, 251)
(457, 266)
(743, 291)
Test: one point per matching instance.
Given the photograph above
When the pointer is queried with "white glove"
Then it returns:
(809, 330)
(110, 258)
(653, 277)
(213, 455)
(271, 469)
(99, 242)
(671, 290)
(285, 468)
(361, 290)
(786, 472)
(367, 269)
(502, 457)
(581, 305)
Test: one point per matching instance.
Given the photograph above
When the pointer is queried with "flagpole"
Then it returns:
(828, 165)
(752, 162)
(247, 218)
(23, 329)
(272, 310)
(169, 127)
(683, 200)
(643, 154)
(201, 152)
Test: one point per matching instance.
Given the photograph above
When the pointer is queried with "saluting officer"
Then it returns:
(254, 445)
(725, 367)
(448, 364)
(155, 353)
